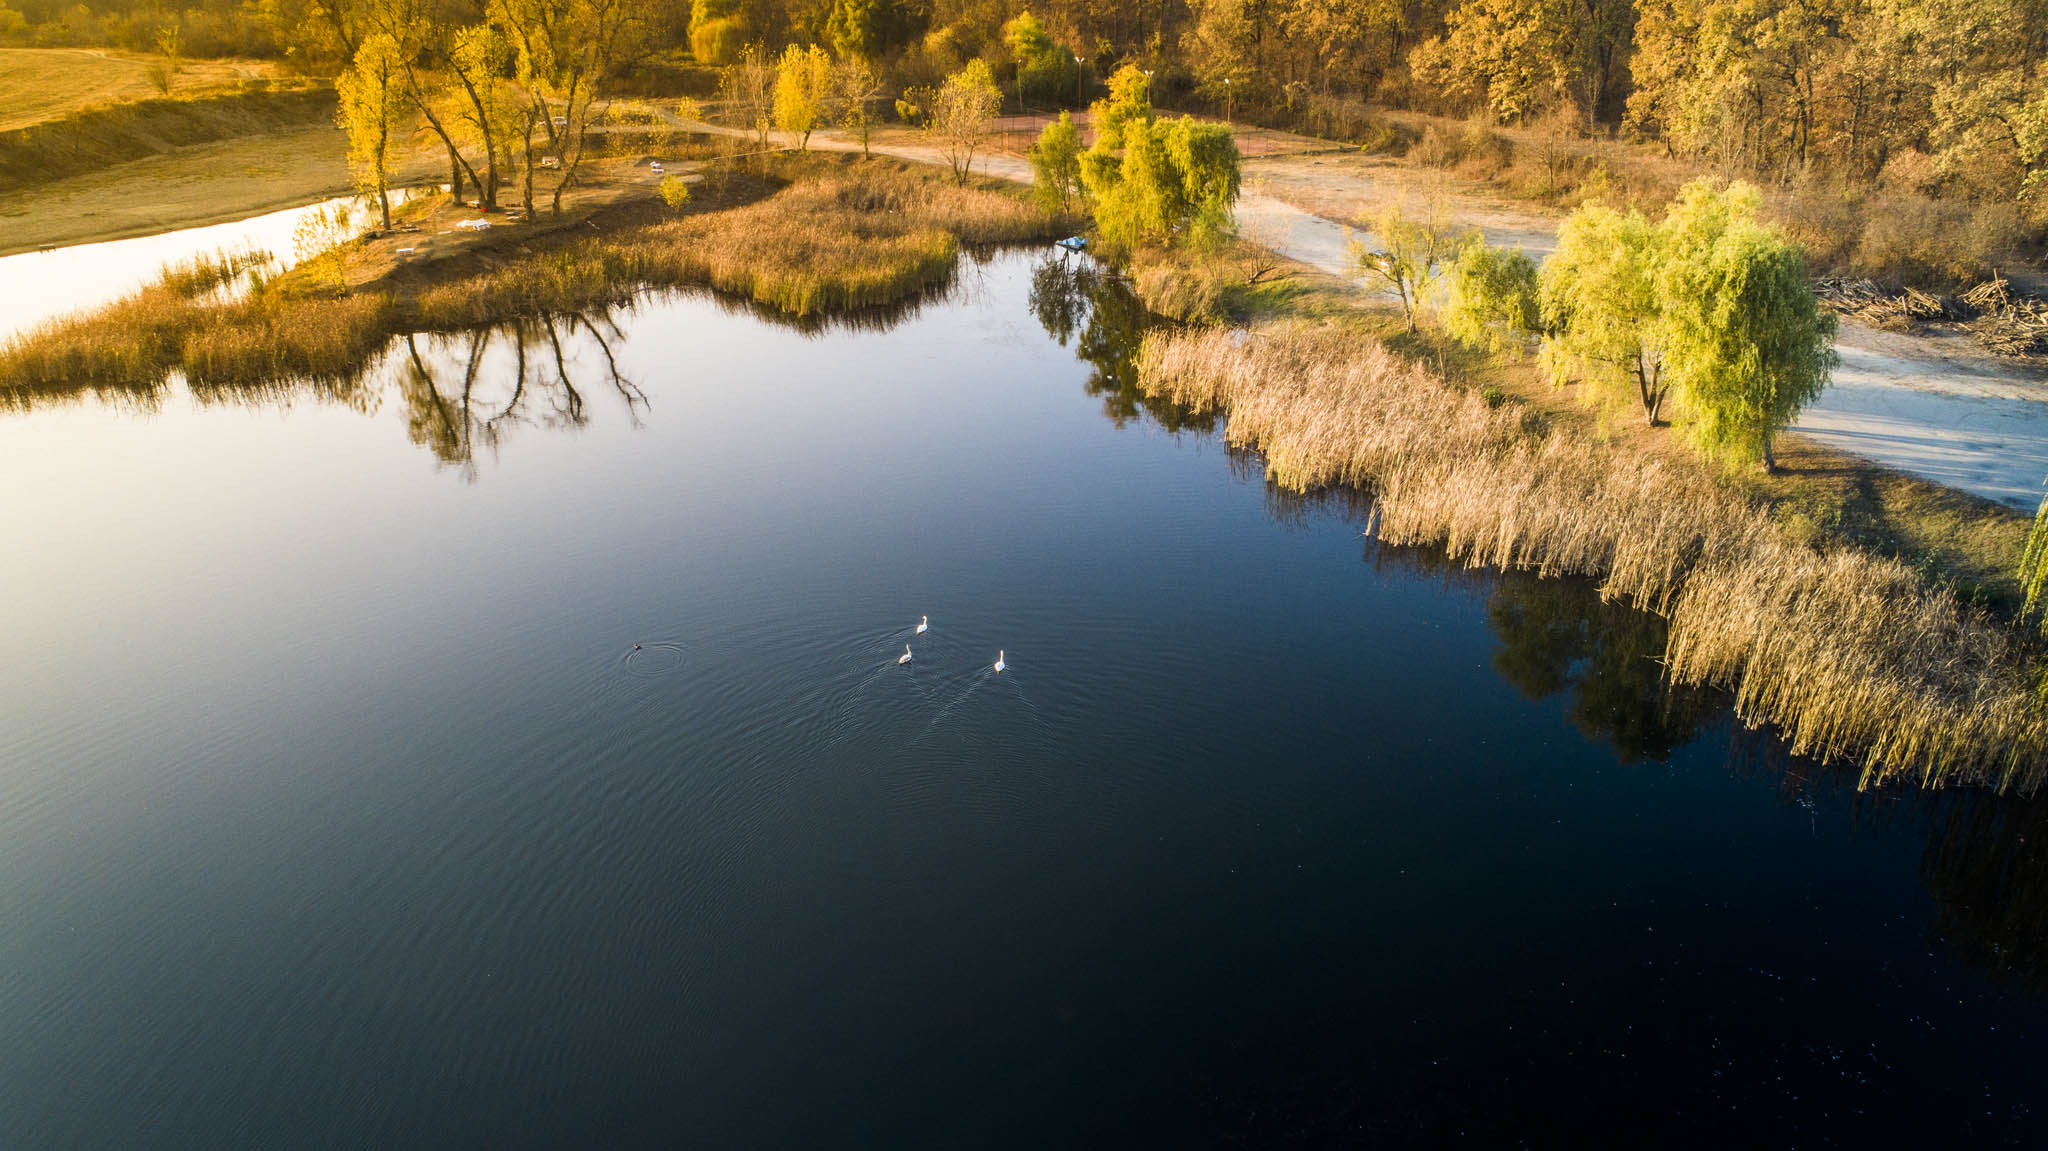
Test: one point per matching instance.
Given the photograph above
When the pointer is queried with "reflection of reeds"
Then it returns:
(840, 238)
(1850, 654)
(202, 274)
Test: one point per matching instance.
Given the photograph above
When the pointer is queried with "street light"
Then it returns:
(1226, 99)
(1078, 97)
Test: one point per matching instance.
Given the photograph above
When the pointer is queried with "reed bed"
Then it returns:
(843, 237)
(1851, 655)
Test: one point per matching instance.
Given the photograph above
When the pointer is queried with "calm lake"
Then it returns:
(338, 806)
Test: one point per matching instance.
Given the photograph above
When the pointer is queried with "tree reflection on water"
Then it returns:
(454, 406)
(1086, 307)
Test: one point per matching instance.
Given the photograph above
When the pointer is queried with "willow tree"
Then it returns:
(1603, 309)
(1056, 165)
(803, 91)
(1153, 181)
(718, 30)
(2034, 572)
(1493, 298)
(372, 106)
(1747, 344)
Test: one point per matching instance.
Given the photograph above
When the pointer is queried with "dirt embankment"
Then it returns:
(100, 138)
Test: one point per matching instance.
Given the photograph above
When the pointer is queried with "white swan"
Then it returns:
(905, 657)
(924, 624)
(1000, 665)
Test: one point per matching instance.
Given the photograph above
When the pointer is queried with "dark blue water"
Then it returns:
(337, 807)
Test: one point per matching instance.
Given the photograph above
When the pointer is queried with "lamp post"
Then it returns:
(1078, 97)
(1226, 99)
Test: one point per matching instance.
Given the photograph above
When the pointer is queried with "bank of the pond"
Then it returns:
(802, 236)
(1851, 654)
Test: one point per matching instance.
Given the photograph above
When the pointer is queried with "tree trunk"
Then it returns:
(487, 189)
(383, 177)
(456, 164)
(527, 188)
(1770, 463)
(454, 174)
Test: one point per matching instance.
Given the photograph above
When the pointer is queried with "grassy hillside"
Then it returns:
(97, 138)
(38, 84)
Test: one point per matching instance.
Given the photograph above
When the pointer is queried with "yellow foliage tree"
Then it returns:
(372, 106)
(803, 91)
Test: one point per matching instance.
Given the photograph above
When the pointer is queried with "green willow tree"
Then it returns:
(718, 30)
(1603, 309)
(1154, 181)
(1492, 299)
(1056, 165)
(1747, 344)
(1710, 309)
(2034, 574)
(1409, 251)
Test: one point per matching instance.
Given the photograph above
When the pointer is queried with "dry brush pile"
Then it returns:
(1851, 655)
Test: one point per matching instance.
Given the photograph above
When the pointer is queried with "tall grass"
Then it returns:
(834, 243)
(1851, 655)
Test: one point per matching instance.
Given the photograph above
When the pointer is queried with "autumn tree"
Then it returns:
(372, 106)
(963, 114)
(803, 91)
(747, 86)
(561, 49)
(1408, 251)
(1520, 58)
(855, 88)
(1737, 80)
(477, 57)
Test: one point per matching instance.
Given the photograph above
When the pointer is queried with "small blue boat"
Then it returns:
(1073, 243)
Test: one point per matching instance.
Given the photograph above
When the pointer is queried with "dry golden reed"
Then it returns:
(1850, 655)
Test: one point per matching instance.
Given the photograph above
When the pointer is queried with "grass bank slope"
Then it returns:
(98, 138)
(1851, 654)
(38, 84)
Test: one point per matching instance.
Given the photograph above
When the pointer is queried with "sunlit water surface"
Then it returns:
(39, 286)
(338, 806)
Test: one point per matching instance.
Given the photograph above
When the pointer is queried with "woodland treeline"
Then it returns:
(1947, 96)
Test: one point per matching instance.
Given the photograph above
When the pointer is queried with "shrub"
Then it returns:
(1492, 302)
(718, 41)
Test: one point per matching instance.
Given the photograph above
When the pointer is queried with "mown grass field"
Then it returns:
(38, 84)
